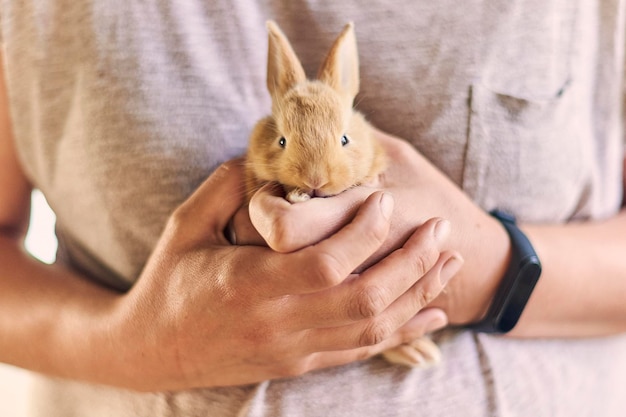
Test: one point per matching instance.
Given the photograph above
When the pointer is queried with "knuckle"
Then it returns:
(280, 237)
(327, 271)
(178, 218)
(421, 264)
(368, 303)
(177, 233)
(377, 232)
(375, 332)
(365, 353)
(400, 148)
(260, 336)
(264, 334)
(404, 146)
(422, 297)
(423, 261)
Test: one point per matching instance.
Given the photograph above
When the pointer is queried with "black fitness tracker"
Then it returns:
(517, 285)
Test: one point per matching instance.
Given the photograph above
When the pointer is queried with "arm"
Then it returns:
(581, 291)
(47, 304)
(207, 313)
(583, 285)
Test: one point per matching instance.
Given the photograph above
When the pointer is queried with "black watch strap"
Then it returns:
(517, 285)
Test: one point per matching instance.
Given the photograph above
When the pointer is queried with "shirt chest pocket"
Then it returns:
(525, 149)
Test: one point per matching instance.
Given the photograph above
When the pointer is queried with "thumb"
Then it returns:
(205, 214)
(287, 227)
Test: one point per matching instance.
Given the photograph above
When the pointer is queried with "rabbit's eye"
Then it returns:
(282, 142)
(344, 140)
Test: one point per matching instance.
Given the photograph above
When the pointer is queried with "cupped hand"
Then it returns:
(206, 313)
(421, 192)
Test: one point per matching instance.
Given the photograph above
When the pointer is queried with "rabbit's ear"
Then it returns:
(341, 67)
(283, 67)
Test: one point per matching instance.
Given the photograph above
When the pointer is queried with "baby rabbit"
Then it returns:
(315, 144)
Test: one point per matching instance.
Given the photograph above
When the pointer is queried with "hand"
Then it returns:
(421, 192)
(207, 313)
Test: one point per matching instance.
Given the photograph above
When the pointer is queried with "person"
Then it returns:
(128, 116)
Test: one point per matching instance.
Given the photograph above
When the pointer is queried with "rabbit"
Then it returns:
(315, 144)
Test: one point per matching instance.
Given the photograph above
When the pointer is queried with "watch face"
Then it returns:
(519, 293)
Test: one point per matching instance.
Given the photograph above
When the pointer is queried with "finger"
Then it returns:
(426, 321)
(328, 263)
(208, 210)
(242, 231)
(287, 227)
(375, 330)
(372, 292)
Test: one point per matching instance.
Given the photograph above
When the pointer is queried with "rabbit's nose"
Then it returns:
(315, 183)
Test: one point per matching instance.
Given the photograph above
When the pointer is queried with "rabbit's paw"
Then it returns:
(420, 353)
(297, 196)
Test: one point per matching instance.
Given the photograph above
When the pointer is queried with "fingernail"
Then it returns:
(386, 205)
(442, 230)
(435, 324)
(450, 268)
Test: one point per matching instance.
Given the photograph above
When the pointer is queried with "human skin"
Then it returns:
(204, 312)
(582, 288)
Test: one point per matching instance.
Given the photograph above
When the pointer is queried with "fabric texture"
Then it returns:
(120, 109)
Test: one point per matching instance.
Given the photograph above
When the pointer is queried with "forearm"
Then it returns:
(582, 290)
(51, 320)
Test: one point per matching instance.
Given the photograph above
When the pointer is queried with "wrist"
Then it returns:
(517, 284)
(493, 255)
(144, 356)
(486, 249)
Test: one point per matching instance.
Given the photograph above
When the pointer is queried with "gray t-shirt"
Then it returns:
(121, 108)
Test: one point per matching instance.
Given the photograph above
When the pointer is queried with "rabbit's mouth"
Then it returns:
(321, 193)
(297, 195)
